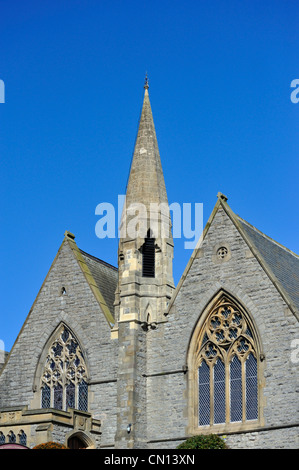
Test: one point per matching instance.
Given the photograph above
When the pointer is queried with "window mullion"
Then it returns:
(243, 391)
(63, 376)
(227, 397)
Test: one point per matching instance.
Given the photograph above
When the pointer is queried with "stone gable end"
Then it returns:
(65, 297)
(224, 262)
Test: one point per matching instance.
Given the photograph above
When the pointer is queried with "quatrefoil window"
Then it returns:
(222, 252)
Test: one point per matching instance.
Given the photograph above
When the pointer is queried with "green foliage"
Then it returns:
(50, 445)
(210, 441)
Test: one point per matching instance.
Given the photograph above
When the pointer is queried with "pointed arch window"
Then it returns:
(225, 367)
(64, 377)
(12, 437)
(22, 438)
(148, 256)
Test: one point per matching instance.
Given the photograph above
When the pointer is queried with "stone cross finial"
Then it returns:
(146, 86)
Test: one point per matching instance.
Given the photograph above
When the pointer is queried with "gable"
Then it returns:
(69, 295)
(280, 264)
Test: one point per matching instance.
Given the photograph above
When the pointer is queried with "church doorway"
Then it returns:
(75, 442)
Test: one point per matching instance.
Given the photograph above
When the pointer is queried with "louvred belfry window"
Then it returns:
(148, 256)
(226, 363)
(64, 378)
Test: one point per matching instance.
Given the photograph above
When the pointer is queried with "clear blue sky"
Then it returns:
(220, 74)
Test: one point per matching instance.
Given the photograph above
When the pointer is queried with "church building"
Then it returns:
(121, 358)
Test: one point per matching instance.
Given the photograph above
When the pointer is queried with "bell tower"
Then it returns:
(145, 280)
(145, 252)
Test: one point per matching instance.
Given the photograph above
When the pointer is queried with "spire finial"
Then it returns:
(146, 86)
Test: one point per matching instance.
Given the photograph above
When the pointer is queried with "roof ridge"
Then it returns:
(98, 259)
(268, 237)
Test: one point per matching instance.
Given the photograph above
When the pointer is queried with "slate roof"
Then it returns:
(105, 276)
(101, 277)
(283, 263)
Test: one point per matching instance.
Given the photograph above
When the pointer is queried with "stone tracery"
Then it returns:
(226, 360)
(64, 378)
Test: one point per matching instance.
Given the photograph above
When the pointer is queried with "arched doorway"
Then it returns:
(75, 442)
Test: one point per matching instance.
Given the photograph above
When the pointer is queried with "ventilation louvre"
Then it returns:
(148, 256)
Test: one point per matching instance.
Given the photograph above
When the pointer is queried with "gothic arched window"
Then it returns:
(225, 367)
(22, 438)
(12, 437)
(64, 377)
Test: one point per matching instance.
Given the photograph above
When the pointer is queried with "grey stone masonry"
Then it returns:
(138, 343)
(137, 297)
(141, 300)
(242, 276)
(79, 310)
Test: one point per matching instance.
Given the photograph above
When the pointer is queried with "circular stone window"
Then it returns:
(222, 252)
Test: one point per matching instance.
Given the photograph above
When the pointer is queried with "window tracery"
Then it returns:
(64, 377)
(226, 365)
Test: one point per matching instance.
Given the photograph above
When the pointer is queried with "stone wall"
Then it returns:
(142, 378)
(80, 311)
(242, 276)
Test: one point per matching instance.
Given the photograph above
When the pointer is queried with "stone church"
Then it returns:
(120, 357)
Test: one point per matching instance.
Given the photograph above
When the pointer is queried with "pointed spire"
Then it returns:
(145, 242)
(146, 181)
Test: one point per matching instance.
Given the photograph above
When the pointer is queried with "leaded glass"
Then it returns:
(2, 438)
(83, 396)
(65, 335)
(70, 395)
(22, 438)
(226, 350)
(58, 392)
(57, 348)
(64, 371)
(12, 437)
(46, 397)
(235, 389)
(251, 387)
(219, 392)
(72, 346)
(204, 393)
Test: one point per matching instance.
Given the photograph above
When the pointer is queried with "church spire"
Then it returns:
(146, 244)
(145, 281)
(146, 181)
